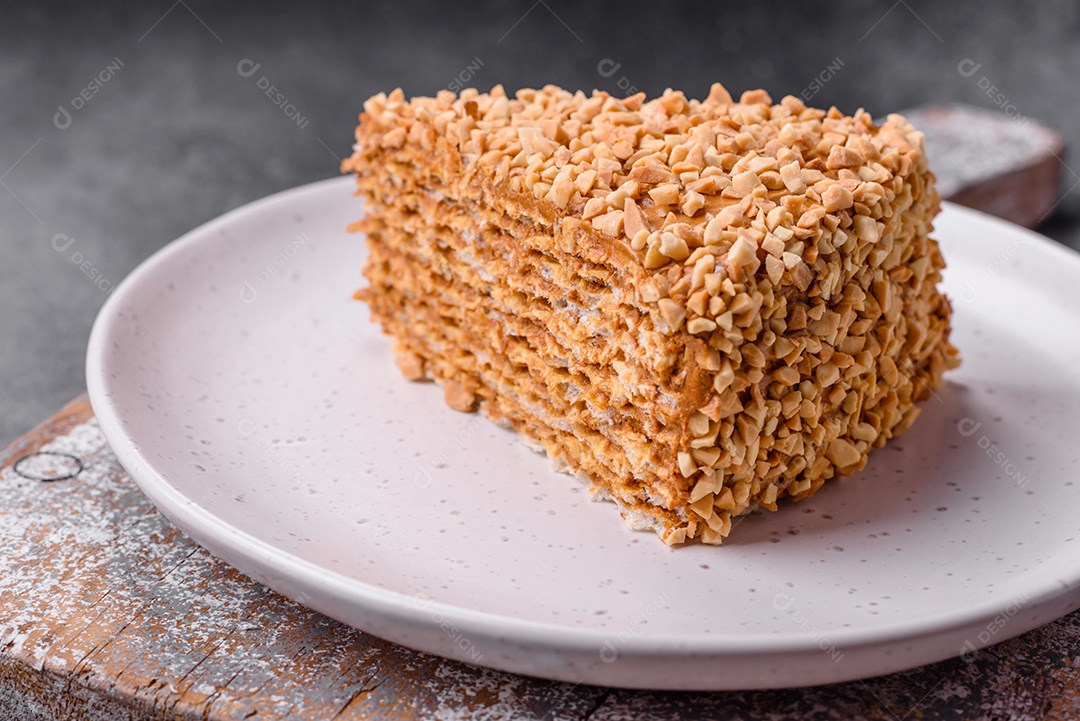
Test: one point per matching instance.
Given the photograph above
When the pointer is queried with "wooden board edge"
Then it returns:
(74, 413)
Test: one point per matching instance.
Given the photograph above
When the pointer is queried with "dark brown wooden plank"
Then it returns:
(1008, 166)
(1029, 678)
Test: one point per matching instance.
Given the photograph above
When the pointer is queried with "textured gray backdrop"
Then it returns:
(126, 125)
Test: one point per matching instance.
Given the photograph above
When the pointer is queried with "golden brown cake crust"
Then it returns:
(754, 289)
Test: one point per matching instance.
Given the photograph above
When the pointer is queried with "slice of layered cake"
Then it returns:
(698, 307)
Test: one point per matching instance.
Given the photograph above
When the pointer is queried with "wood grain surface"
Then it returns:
(1006, 165)
(108, 612)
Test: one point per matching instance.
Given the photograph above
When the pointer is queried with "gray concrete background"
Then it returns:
(177, 136)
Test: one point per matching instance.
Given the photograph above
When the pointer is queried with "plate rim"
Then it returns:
(252, 555)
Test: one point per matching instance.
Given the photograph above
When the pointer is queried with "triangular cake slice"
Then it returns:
(698, 307)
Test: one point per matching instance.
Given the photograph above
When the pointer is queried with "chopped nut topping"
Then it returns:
(694, 202)
(701, 325)
(842, 453)
(561, 190)
(842, 157)
(674, 247)
(702, 488)
(686, 465)
(459, 396)
(837, 197)
(675, 536)
(673, 313)
(667, 194)
(791, 174)
(699, 424)
(775, 268)
(866, 228)
(652, 174)
(786, 375)
(742, 259)
(744, 183)
(827, 374)
(594, 207)
(411, 366)
(633, 219)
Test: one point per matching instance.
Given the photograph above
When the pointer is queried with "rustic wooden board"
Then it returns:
(1005, 165)
(107, 611)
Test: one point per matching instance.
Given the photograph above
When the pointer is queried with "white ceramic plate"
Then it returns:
(250, 398)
